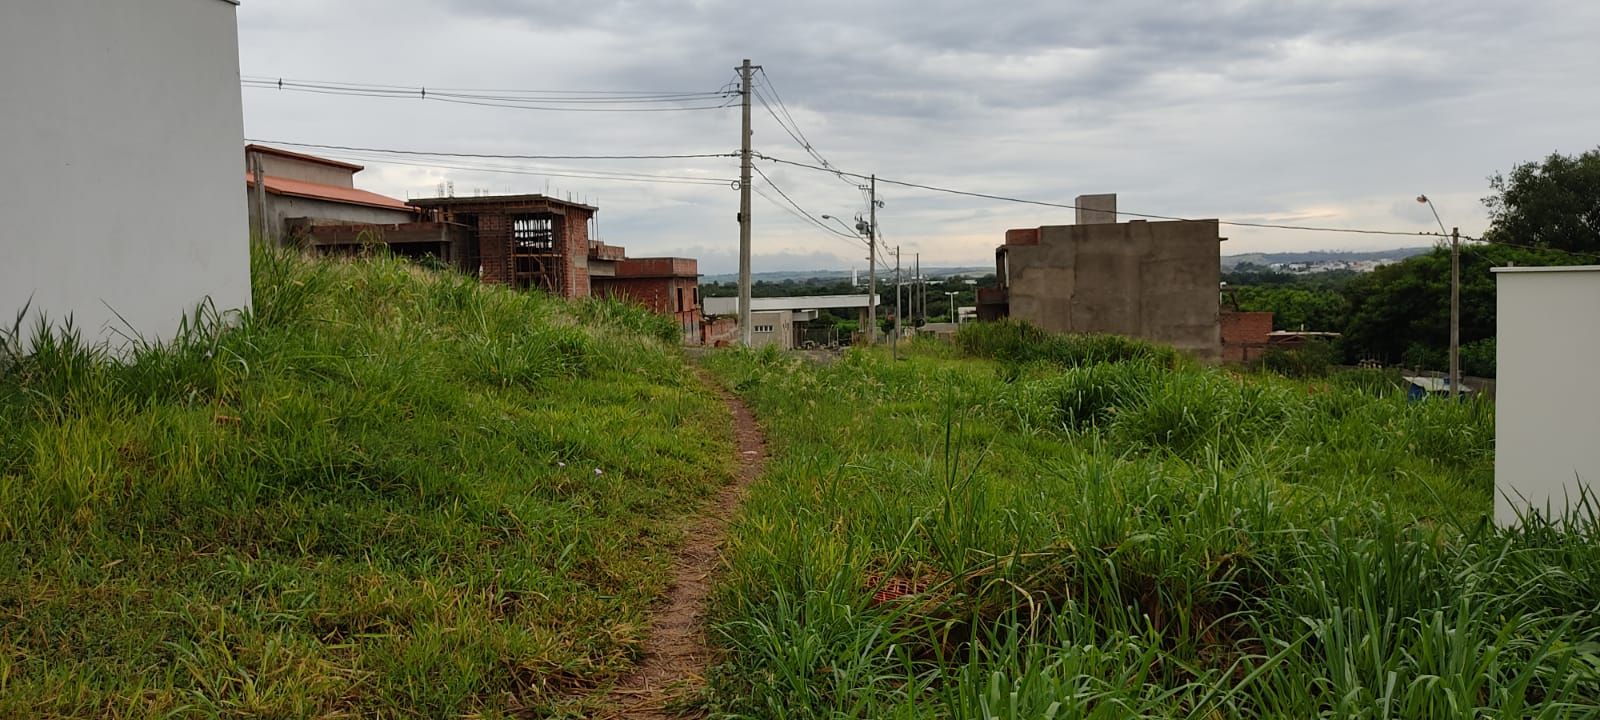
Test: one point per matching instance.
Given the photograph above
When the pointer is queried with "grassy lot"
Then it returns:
(385, 492)
(1093, 528)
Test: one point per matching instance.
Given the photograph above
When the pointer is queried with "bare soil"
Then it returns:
(676, 654)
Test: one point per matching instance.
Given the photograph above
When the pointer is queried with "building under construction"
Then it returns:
(525, 241)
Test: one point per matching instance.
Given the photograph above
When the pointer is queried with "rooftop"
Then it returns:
(498, 200)
(331, 193)
(1561, 268)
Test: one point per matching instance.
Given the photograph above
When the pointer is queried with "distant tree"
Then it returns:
(1401, 312)
(1554, 203)
(1296, 308)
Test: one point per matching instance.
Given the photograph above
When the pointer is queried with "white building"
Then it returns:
(772, 319)
(120, 129)
(1547, 404)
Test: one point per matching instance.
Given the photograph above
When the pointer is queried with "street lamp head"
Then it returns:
(1422, 199)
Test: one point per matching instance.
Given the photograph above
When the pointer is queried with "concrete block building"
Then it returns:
(1157, 281)
(121, 128)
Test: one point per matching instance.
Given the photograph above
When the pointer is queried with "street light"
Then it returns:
(955, 314)
(1455, 299)
(872, 278)
(847, 228)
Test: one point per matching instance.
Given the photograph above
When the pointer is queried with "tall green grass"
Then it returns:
(382, 492)
(1112, 534)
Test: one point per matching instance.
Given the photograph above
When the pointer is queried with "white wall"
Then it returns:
(122, 133)
(1547, 397)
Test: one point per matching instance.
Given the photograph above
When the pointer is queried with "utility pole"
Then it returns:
(745, 75)
(872, 259)
(1455, 313)
(261, 197)
(916, 288)
(895, 342)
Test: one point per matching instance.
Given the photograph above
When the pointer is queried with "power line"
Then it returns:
(642, 93)
(1004, 198)
(568, 103)
(492, 156)
(540, 172)
(791, 211)
(502, 95)
(798, 135)
(802, 210)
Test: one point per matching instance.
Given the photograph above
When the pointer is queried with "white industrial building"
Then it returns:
(773, 319)
(121, 128)
(1547, 408)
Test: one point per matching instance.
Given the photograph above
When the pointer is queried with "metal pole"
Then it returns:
(955, 316)
(872, 262)
(1455, 313)
(745, 73)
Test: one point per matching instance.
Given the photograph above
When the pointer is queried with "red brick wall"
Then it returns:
(719, 332)
(658, 266)
(575, 277)
(659, 294)
(1023, 236)
(1244, 334)
(494, 238)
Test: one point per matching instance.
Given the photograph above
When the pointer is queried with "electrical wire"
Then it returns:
(791, 211)
(798, 135)
(1042, 203)
(492, 156)
(377, 86)
(580, 102)
(541, 172)
(803, 211)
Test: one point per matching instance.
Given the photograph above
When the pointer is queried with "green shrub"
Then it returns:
(1478, 358)
(1311, 360)
(1014, 341)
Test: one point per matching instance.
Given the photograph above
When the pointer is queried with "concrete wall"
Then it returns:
(1547, 412)
(284, 207)
(1153, 280)
(121, 130)
(307, 170)
(781, 334)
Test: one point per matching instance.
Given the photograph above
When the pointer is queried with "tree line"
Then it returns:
(1543, 213)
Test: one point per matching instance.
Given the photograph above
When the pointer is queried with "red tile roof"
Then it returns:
(331, 193)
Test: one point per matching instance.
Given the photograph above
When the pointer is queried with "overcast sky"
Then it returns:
(1322, 112)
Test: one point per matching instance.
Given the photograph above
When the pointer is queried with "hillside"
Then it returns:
(385, 492)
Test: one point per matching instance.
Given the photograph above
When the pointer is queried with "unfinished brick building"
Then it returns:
(525, 241)
(668, 285)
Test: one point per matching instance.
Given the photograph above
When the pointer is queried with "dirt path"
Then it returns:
(675, 655)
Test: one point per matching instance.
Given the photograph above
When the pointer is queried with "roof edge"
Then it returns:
(269, 150)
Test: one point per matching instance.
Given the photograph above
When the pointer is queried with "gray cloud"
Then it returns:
(1334, 110)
